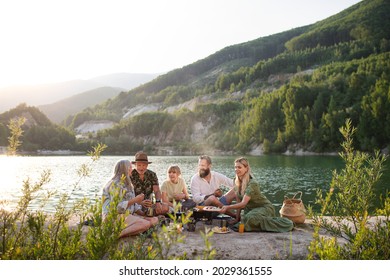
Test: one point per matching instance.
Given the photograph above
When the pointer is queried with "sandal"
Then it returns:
(234, 227)
(232, 221)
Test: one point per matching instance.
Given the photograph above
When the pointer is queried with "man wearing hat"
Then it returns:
(145, 181)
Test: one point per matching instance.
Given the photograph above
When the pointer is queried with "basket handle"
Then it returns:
(300, 195)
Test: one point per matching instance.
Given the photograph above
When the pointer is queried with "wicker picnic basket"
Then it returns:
(294, 209)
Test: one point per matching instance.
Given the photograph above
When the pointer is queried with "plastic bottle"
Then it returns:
(241, 226)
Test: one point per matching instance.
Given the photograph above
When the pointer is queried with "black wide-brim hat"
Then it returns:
(141, 157)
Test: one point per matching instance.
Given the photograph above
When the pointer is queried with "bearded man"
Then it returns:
(205, 185)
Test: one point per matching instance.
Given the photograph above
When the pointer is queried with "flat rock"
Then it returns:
(248, 245)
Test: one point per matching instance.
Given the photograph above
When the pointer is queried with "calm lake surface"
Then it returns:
(279, 175)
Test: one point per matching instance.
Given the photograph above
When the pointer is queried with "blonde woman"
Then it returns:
(120, 182)
(259, 213)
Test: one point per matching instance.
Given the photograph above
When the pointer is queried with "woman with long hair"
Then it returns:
(259, 213)
(120, 184)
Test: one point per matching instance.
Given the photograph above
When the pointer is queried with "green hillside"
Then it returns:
(38, 131)
(367, 20)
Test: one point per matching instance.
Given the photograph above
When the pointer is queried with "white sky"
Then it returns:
(57, 40)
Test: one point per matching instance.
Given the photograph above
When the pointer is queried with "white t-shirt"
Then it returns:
(200, 187)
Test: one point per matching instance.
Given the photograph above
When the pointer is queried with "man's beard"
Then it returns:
(204, 172)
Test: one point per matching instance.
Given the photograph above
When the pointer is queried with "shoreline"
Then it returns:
(78, 153)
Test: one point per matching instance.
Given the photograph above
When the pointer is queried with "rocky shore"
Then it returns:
(249, 245)
(291, 245)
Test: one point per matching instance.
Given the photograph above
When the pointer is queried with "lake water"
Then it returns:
(279, 175)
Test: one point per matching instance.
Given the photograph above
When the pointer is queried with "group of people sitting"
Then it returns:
(137, 186)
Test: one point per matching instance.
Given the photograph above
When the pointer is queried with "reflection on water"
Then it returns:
(286, 175)
(279, 175)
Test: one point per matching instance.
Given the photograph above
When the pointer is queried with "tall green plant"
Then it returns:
(346, 207)
(14, 225)
(16, 131)
(102, 240)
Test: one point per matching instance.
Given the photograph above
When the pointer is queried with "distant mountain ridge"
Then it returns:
(35, 95)
(124, 80)
(59, 110)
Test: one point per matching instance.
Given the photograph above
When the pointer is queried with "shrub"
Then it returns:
(346, 208)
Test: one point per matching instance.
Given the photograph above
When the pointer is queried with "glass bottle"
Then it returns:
(241, 226)
(152, 198)
(150, 209)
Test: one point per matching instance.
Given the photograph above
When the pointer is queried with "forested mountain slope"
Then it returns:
(38, 131)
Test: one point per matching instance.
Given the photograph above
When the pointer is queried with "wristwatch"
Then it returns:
(158, 201)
